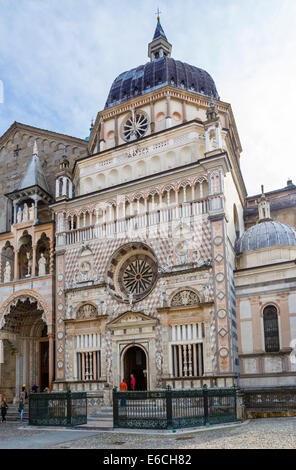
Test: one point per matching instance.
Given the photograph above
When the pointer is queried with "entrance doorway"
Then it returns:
(26, 349)
(135, 362)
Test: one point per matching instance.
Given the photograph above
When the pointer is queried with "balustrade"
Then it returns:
(129, 223)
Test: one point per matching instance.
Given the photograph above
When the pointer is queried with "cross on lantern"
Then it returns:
(158, 13)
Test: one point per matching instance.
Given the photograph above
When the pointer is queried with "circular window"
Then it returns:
(132, 272)
(134, 126)
(137, 274)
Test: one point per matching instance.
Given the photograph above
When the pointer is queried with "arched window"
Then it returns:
(271, 329)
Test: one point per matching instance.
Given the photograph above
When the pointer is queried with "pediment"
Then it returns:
(130, 318)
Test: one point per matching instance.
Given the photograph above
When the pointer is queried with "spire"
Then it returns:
(34, 175)
(159, 32)
(159, 46)
(90, 130)
(263, 207)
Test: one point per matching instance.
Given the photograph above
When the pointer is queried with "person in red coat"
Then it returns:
(133, 382)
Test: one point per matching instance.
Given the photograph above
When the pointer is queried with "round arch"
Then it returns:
(129, 365)
(23, 295)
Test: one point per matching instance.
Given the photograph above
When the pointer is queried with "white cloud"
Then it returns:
(58, 60)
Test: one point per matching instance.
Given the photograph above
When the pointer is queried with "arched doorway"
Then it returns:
(135, 362)
(23, 332)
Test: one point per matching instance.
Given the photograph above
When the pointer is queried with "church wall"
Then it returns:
(13, 165)
(274, 286)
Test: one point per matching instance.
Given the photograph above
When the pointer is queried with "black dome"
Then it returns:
(158, 73)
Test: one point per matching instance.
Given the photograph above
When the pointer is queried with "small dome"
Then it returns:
(158, 73)
(266, 234)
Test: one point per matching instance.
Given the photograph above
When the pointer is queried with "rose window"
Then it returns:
(135, 126)
(137, 275)
(132, 272)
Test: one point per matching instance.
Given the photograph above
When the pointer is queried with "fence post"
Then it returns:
(115, 408)
(69, 407)
(169, 407)
(206, 405)
(240, 404)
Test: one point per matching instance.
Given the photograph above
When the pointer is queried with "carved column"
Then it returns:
(51, 257)
(33, 273)
(152, 117)
(168, 118)
(184, 111)
(16, 265)
(51, 360)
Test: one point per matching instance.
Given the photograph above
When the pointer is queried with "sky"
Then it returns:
(58, 59)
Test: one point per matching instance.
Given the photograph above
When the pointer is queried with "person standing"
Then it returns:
(123, 388)
(133, 382)
(24, 394)
(3, 410)
(21, 408)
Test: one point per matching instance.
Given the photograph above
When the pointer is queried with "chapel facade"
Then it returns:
(137, 251)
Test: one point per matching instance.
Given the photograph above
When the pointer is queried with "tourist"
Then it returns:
(24, 394)
(3, 410)
(133, 382)
(21, 408)
(34, 389)
(123, 388)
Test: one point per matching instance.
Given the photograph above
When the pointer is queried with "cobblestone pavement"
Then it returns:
(14, 430)
(278, 433)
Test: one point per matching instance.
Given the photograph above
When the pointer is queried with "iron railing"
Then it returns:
(170, 409)
(270, 399)
(58, 409)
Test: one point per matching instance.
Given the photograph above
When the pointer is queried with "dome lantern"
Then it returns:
(159, 46)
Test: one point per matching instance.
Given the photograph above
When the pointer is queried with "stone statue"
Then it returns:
(31, 212)
(25, 213)
(206, 290)
(130, 299)
(158, 360)
(42, 265)
(19, 215)
(7, 272)
(29, 264)
(104, 307)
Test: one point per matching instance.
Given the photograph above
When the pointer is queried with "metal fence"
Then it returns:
(58, 409)
(172, 409)
(275, 399)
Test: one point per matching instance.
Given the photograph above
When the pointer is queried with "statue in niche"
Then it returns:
(42, 265)
(31, 212)
(182, 252)
(25, 213)
(103, 307)
(29, 264)
(206, 290)
(85, 271)
(69, 312)
(130, 299)
(7, 272)
(163, 299)
(19, 215)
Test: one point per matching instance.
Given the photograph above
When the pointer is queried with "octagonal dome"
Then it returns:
(156, 74)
